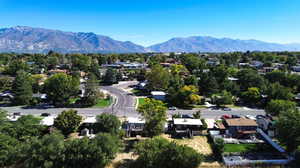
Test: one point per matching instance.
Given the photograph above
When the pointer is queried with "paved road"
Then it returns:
(124, 105)
(124, 102)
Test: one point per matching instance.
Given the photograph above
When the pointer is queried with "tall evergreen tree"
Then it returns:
(22, 88)
(92, 93)
(110, 76)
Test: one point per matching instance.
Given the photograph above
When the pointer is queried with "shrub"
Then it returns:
(158, 152)
(107, 123)
(218, 147)
(68, 121)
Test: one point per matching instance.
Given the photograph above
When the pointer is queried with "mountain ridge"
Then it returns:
(39, 40)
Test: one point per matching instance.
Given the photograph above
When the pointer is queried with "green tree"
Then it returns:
(208, 84)
(97, 152)
(250, 78)
(22, 88)
(15, 66)
(218, 147)
(68, 121)
(110, 76)
(222, 99)
(154, 113)
(197, 114)
(5, 83)
(36, 80)
(80, 62)
(277, 91)
(92, 93)
(60, 87)
(187, 95)
(24, 128)
(158, 152)
(95, 69)
(276, 107)
(46, 152)
(107, 123)
(10, 150)
(288, 126)
(158, 78)
(251, 96)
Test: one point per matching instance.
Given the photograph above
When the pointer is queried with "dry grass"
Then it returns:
(199, 143)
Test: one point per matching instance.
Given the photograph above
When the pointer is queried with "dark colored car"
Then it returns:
(227, 109)
(236, 116)
(17, 113)
(45, 114)
(186, 116)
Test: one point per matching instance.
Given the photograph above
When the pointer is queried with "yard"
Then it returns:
(103, 103)
(141, 101)
(228, 148)
(199, 143)
(242, 148)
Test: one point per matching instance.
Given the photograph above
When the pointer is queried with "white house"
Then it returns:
(158, 95)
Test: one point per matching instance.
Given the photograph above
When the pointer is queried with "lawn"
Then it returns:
(228, 148)
(141, 101)
(103, 103)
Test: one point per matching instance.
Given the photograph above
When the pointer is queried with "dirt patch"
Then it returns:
(201, 145)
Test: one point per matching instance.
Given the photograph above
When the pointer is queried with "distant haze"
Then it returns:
(39, 40)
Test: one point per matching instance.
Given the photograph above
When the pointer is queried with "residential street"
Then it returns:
(124, 105)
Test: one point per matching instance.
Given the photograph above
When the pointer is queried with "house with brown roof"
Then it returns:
(240, 127)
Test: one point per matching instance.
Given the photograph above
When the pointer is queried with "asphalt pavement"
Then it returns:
(124, 105)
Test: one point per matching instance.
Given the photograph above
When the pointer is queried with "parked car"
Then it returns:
(172, 108)
(17, 114)
(45, 114)
(226, 116)
(215, 108)
(250, 117)
(186, 116)
(227, 109)
(236, 116)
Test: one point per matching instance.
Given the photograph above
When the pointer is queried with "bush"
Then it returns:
(68, 122)
(9, 150)
(107, 123)
(158, 153)
(218, 147)
(204, 126)
(53, 151)
(97, 152)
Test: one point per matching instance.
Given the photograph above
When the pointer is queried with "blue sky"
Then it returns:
(147, 22)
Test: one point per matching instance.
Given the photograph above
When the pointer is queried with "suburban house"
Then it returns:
(256, 64)
(296, 68)
(186, 127)
(240, 127)
(125, 65)
(158, 95)
(133, 126)
(267, 124)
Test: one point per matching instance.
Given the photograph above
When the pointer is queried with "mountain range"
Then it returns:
(39, 40)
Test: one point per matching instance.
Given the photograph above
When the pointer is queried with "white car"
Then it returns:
(250, 117)
(172, 108)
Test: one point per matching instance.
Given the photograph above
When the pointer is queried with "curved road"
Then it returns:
(124, 105)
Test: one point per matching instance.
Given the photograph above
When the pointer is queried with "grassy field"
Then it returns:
(238, 147)
(141, 101)
(103, 103)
